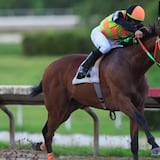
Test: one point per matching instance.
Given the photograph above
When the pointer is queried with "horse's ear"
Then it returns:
(157, 30)
(152, 29)
(145, 30)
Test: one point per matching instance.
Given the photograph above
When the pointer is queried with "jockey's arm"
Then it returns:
(118, 18)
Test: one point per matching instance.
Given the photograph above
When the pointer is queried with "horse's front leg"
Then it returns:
(130, 110)
(134, 128)
(151, 140)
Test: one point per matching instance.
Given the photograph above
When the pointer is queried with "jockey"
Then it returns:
(119, 25)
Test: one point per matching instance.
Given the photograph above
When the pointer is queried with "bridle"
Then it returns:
(156, 48)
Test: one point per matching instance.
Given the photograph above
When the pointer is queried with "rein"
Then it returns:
(157, 47)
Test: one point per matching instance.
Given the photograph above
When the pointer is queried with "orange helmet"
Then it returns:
(136, 12)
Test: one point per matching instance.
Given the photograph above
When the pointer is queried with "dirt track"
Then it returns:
(100, 158)
(35, 155)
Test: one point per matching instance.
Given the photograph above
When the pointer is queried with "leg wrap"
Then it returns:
(50, 156)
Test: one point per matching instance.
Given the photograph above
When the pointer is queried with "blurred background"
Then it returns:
(35, 33)
(27, 15)
(90, 11)
(53, 28)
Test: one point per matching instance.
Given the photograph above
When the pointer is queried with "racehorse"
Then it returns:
(123, 84)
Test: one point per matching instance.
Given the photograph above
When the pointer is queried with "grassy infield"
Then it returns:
(17, 69)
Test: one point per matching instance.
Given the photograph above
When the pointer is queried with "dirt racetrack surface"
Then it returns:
(100, 158)
(35, 155)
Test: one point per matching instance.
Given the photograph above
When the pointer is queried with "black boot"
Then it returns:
(88, 63)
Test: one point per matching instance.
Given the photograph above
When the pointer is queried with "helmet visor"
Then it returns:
(134, 21)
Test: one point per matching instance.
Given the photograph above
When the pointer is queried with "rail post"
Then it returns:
(96, 129)
(11, 125)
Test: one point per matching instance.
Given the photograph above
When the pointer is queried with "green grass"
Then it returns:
(84, 151)
(10, 50)
(17, 69)
(22, 70)
(34, 117)
(153, 76)
(26, 72)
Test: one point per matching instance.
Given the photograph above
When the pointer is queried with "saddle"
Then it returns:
(93, 78)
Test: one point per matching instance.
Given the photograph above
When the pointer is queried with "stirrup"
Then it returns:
(82, 73)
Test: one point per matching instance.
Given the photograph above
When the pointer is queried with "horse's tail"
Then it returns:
(36, 90)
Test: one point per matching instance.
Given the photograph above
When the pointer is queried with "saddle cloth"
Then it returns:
(94, 75)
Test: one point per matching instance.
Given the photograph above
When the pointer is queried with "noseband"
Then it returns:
(156, 48)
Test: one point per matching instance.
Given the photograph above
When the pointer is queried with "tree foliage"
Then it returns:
(7, 4)
(103, 8)
(86, 8)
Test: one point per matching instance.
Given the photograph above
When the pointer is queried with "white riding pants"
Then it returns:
(101, 42)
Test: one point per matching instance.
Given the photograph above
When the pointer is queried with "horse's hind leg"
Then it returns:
(48, 141)
(57, 114)
(41, 146)
(48, 132)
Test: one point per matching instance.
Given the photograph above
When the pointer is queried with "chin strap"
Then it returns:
(157, 47)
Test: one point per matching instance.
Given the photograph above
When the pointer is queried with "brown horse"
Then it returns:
(123, 85)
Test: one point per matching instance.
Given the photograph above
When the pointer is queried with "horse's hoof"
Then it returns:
(155, 151)
(36, 146)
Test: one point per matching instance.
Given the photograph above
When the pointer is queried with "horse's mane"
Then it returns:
(149, 32)
(153, 30)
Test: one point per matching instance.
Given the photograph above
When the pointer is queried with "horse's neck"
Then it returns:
(139, 60)
(136, 57)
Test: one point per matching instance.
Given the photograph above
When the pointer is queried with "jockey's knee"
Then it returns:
(104, 49)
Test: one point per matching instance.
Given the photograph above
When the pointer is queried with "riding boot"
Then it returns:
(88, 63)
